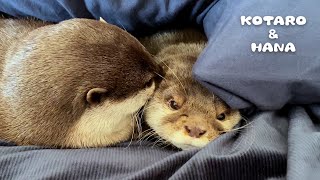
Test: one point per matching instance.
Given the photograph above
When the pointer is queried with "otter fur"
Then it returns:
(73, 84)
(183, 112)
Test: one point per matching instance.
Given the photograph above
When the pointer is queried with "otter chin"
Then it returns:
(182, 111)
(73, 84)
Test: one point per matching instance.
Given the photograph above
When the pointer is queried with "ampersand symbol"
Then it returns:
(272, 34)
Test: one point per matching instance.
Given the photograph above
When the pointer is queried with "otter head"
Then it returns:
(183, 112)
(76, 84)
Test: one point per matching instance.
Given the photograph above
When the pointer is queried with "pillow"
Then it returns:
(267, 80)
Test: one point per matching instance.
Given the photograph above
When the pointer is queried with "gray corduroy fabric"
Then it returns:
(275, 145)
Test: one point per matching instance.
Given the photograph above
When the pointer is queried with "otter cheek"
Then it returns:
(200, 142)
(102, 125)
(231, 121)
(178, 138)
(140, 99)
(184, 142)
(106, 124)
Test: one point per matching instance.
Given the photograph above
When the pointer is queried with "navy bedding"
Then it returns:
(282, 140)
(267, 80)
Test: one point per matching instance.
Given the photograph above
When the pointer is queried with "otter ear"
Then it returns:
(96, 95)
(102, 20)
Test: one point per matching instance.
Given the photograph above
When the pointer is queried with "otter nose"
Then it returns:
(194, 131)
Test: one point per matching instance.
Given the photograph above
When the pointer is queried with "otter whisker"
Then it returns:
(139, 116)
(122, 25)
(138, 119)
(166, 145)
(147, 135)
(237, 129)
(149, 105)
(132, 135)
(250, 140)
(138, 122)
(135, 121)
(157, 141)
(244, 118)
(253, 130)
(152, 138)
(176, 77)
(146, 106)
(161, 142)
(160, 75)
(163, 78)
(147, 130)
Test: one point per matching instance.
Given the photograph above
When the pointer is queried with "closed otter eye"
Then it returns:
(221, 117)
(149, 83)
(173, 104)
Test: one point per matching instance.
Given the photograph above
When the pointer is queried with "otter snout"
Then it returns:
(194, 131)
(198, 126)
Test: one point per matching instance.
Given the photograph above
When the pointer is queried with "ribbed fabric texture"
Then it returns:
(274, 146)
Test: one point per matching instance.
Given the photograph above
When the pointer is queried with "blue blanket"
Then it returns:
(278, 144)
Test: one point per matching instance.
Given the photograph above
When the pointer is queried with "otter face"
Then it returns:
(108, 118)
(191, 118)
(182, 111)
(75, 84)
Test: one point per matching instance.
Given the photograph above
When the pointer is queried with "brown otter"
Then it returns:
(72, 84)
(182, 111)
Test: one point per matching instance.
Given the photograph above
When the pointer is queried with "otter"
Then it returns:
(182, 111)
(74, 84)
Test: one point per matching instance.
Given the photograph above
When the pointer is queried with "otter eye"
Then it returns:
(173, 104)
(221, 116)
(149, 83)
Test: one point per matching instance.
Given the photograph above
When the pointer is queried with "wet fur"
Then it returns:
(47, 71)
